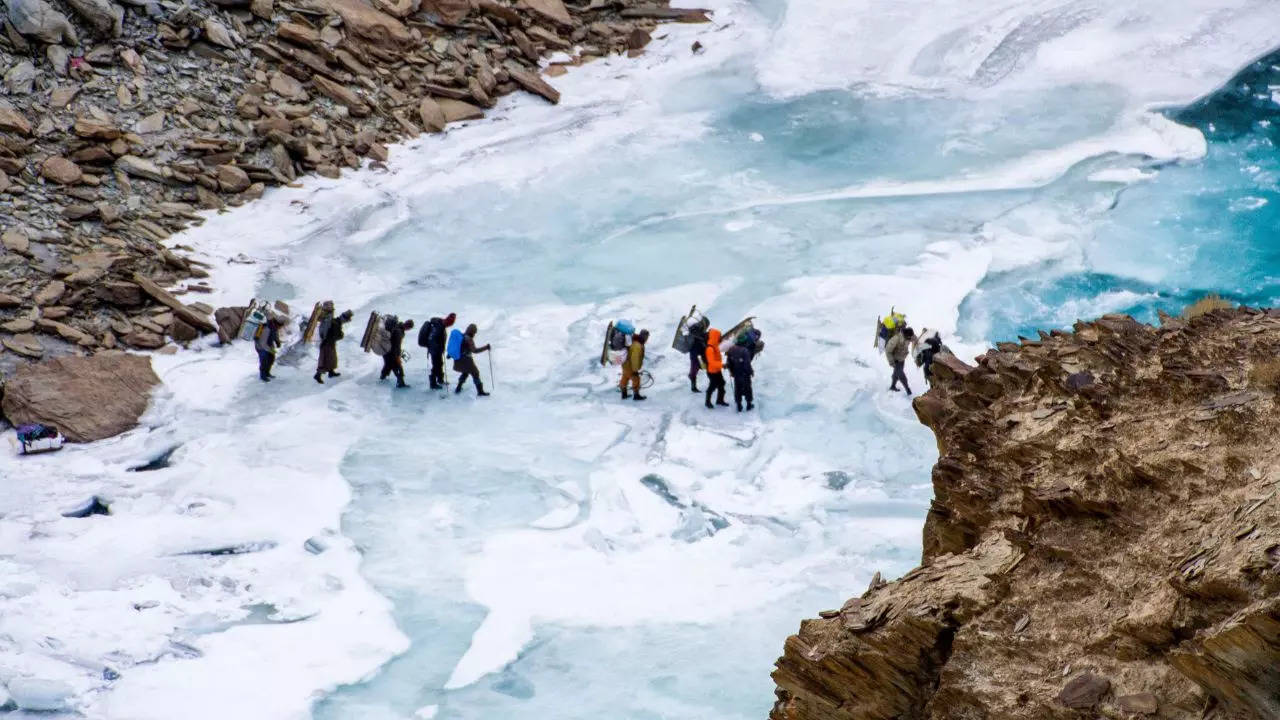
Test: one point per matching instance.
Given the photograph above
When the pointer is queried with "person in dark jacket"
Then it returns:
(896, 351)
(739, 361)
(697, 350)
(330, 329)
(437, 332)
(928, 347)
(392, 362)
(267, 342)
(466, 363)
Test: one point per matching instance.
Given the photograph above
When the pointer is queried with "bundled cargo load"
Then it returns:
(38, 438)
(617, 338)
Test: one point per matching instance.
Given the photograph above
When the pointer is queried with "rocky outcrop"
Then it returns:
(120, 121)
(87, 398)
(1104, 539)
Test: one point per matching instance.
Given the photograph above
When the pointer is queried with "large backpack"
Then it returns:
(424, 335)
(618, 340)
(454, 350)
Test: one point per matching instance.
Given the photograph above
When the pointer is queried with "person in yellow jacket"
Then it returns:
(633, 364)
(715, 369)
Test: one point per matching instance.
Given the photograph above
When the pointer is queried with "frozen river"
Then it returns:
(552, 551)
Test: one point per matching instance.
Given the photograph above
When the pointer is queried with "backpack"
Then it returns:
(424, 335)
(618, 340)
(454, 350)
(390, 322)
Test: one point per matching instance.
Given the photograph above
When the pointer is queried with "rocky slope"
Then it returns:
(1104, 539)
(121, 121)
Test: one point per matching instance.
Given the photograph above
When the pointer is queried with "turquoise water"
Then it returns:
(1208, 226)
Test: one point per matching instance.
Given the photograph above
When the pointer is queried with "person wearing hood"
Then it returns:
(896, 351)
(393, 361)
(697, 351)
(266, 341)
(715, 369)
(330, 331)
(434, 337)
(466, 362)
(633, 364)
(739, 360)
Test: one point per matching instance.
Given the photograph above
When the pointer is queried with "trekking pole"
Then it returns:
(492, 380)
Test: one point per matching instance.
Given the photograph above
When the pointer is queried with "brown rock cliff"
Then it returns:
(1104, 540)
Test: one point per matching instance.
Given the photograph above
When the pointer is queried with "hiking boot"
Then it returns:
(639, 397)
(739, 407)
(624, 394)
(318, 378)
(481, 393)
(710, 406)
(334, 374)
(751, 406)
(693, 386)
(722, 403)
(401, 385)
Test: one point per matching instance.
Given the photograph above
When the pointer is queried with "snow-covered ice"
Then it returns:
(350, 551)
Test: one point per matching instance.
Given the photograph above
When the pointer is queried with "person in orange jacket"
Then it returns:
(715, 368)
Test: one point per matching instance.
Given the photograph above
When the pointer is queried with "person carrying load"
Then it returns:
(739, 360)
(896, 351)
(888, 326)
(393, 358)
(330, 331)
(632, 366)
(433, 337)
(266, 341)
(697, 350)
(927, 347)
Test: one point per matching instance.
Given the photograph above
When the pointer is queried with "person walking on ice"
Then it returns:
(330, 333)
(466, 362)
(266, 342)
(896, 351)
(739, 361)
(393, 362)
(715, 369)
(632, 365)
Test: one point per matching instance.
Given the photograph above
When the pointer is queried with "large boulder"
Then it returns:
(39, 19)
(103, 15)
(370, 23)
(87, 398)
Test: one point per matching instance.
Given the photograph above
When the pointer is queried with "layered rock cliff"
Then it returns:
(1104, 539)
(121, 122)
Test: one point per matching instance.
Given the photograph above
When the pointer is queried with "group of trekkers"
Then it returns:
(694, 336)
(434, 336)
(897, 341)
